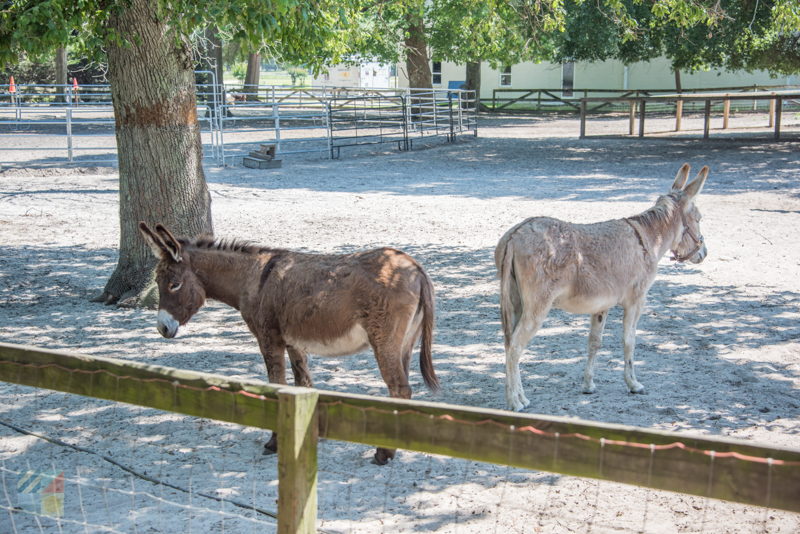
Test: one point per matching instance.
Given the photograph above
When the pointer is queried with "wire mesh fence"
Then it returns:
(168, 473)
(77, 464)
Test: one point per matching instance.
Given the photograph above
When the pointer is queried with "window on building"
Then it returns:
(567, 78)
(437, 73)
(505, 76)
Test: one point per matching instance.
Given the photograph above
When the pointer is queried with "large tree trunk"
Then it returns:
(417, 66)
(161, 177)
(61, 72)
(473, 81)
(252, 76)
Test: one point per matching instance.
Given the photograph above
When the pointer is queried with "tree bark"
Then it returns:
(252, 76)
(677, 80)
(473, 81)
(161, 177)
(416, 44)
(61, 72)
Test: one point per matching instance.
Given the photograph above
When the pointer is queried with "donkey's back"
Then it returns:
(333, 305)
(583, 268)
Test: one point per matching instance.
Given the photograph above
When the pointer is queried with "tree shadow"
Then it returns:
(534, 168)
(44, 296)
(698, 355)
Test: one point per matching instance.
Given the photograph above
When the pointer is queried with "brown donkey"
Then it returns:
(329, 305)
(588, 268)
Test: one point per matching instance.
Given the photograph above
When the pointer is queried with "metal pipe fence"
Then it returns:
(57, 124)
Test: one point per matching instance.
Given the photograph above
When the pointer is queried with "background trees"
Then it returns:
(692, 34)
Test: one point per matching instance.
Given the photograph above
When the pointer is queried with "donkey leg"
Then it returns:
(595, 339)
(299, 361)
(523, 332)
(276, 371)
(629, 321)
(392, 365)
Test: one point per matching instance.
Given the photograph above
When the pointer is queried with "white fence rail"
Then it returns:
(57, 124)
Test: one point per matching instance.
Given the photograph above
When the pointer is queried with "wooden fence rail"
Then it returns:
(727, 469)
(537, 99)
(776, 100)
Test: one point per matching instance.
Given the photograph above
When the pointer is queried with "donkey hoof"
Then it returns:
(518, 403)
(382, 456)
(588, 390)
(637, 389)
(271, 447)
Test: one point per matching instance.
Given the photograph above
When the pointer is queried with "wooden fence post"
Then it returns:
(631, 116)
(298, 432)
(726, 111)
(583, 118)
(642, 104)
(778, 102)
(772, 111)
(678, 115)
(707, 119)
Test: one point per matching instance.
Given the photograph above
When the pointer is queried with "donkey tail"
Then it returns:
(504, 260)
(425, 356)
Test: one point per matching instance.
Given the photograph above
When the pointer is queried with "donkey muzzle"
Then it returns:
(167, 325)
(700, 255)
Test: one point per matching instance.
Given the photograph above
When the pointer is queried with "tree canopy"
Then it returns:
(692, 34)
(295, 31)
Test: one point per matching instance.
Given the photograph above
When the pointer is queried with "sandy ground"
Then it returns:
(718, 347)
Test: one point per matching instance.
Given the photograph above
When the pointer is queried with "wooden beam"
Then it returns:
(583, 119)
(298, 433)
(718, 468)
(707, 118)
(642, 107)
(631, 116)
(726, 111)
(510, 101)
(678, 115)
(778, 102)
(164, 388)
(771, 112)
(556, 98)
(662, 460)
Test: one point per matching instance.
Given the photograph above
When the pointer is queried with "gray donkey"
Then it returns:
(588, 268)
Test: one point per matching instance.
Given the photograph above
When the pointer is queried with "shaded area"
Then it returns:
(717, 354)
(688, 328)
(496, 166)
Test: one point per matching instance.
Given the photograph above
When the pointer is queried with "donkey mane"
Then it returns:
(226, 245)
(660, 214)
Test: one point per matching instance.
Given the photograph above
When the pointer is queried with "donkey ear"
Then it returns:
(694, 188)
(681, 177)
(156, 244)
(172, 244)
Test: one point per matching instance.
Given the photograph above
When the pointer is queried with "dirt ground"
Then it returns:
(718, 348)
